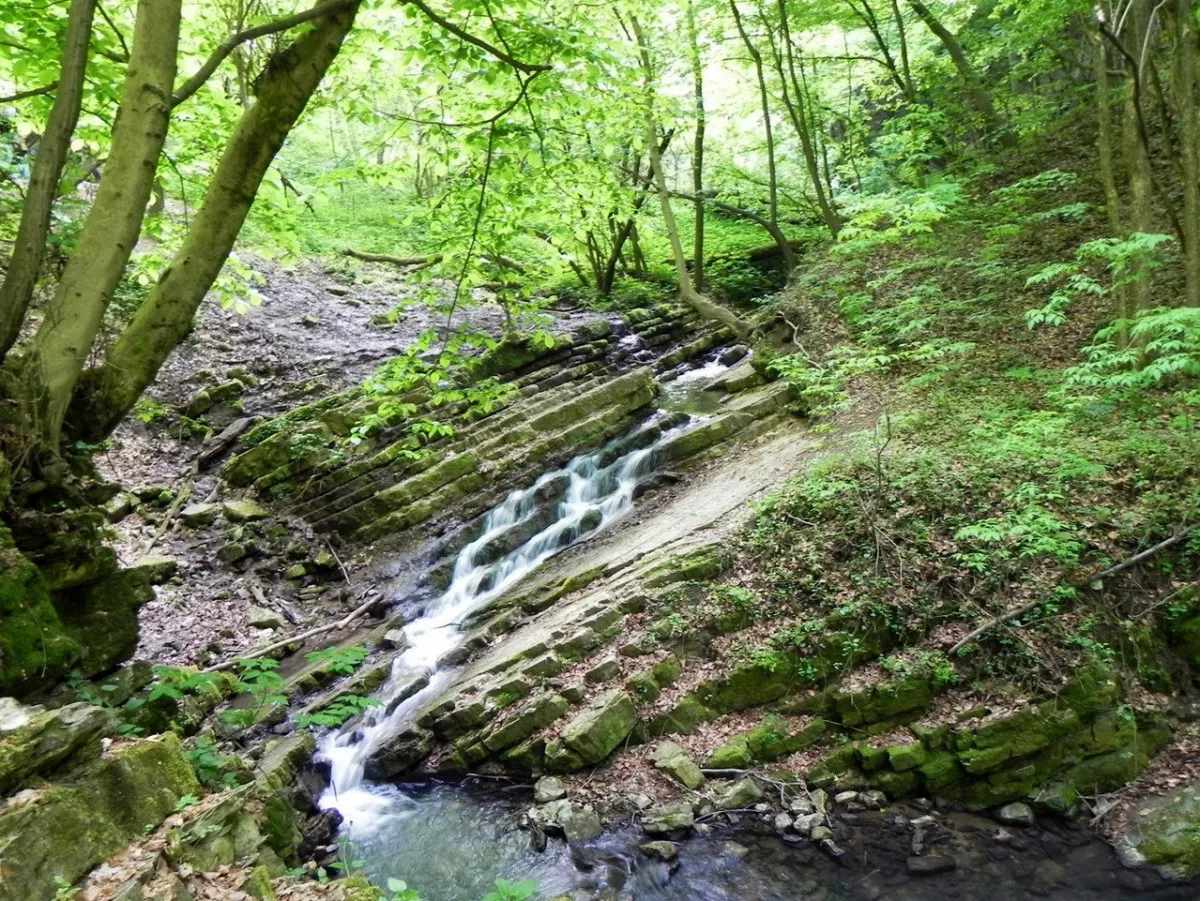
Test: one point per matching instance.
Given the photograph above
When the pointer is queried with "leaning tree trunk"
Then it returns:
(288, 82)
(697, 147)
(976, 92)
(687, 293)
(64, 340)
(30, 247)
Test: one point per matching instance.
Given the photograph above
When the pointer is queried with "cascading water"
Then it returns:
(599, 490)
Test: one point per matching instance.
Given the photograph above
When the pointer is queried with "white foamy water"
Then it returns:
(597, 494)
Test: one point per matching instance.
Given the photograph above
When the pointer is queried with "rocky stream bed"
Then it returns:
(542, 712)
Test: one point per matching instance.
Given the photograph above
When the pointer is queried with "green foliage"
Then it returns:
(1158, 348)
(213, 768)
(344, 708)
(512, 891)
(341, 661)
(260, 681)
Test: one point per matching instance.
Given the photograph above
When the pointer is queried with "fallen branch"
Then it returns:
(416, 262)
(1077, 583)
(356, 613)
(172, 512)
(215, 447)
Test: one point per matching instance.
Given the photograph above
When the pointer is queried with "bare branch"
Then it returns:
(193, 84)
(33, 92)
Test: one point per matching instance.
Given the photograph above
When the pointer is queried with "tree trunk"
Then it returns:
(796, 103)
(1137, 158)
(976, 92)
(697, 148)
(764, 102)
(687, 293)
(30, 248)
(289, 80)
(64, 341)
(867, 16)
(1185, 77)
(910, 89)
(1108, 178)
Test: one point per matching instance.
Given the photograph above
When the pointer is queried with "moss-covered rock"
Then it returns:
(1165, 832)
(64, 830)
(35, 646)
(34, 741)
(593, 734)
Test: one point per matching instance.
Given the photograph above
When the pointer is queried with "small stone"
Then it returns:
(821, 834)
(927, 866)
(549, 788)
(675, 762)
(262, 618)
(923, 822)
(801, 806)
(574, 693)
(119, 506)
(157, 568)
(580, 824)
(660, 850)
(873, 799)
(668, 818)
(783, 822)
(735, 849)
(310, 320)
(603, 671)
(805, 823)
(243, 510)
(843, 797)
(1015, 814)
(295, 572)
(641, 802)
(337, 290)
(394, 640)
(820, 799)
(199, 515)
(744, 793)
(1003, 836)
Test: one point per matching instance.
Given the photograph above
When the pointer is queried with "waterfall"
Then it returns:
(599, 490)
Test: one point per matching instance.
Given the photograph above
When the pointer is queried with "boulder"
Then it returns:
(156, 568)
(243, 510)
(262, 618)
(1015, 814)
(593, 734)
(65, 829)
(529, 719)
(659, 850)
(34, 741)
(569, 820)
(675, 762)
(668, 818)
(1165, 832)
(603, 671)
(548, 788)
(199, 515)
(742, 794)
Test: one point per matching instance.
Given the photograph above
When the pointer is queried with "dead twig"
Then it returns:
(356, 613)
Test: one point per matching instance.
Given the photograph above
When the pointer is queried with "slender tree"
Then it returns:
(30, 247)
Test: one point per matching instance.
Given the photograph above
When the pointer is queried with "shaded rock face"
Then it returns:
(64, 602)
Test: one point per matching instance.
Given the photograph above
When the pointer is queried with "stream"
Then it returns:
(450, 842)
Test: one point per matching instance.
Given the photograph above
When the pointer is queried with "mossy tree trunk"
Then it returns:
(30, 248)
(1185, 84)
(63, 342)
(289, 80)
